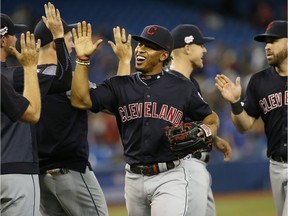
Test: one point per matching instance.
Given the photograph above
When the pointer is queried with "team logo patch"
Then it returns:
(4, 30)
(189, 39)
(152, 30)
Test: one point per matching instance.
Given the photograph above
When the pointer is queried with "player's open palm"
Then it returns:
(53, 21)
(229, 90)
(83, 40)
(122, 46)
(29, 54)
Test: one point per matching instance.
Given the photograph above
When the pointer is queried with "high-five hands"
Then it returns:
(122, 46)
(53, 21)
(83, 40)
(29, 54)
(229, 90)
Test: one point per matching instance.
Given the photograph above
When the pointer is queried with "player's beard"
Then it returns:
(278, 59)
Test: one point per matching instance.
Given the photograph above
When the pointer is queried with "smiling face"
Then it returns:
(149, 58)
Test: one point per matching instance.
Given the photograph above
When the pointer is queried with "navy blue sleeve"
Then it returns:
(13, 104)
(250, 102)
(63, 77)
(103, 97)
(198, 109)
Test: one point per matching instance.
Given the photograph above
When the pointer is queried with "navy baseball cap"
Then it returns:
(275, 29)
(44, 34)
(185, 34)
(157, 35)
(8, 27)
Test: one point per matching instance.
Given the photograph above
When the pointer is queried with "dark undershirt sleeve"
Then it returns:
(62, 80)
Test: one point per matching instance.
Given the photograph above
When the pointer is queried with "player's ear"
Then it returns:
(3, 41)
(187, 48)
(164, 56)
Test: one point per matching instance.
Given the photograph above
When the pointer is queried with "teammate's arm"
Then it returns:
(243, 122)
(123, 49)
(29, 58)
(63, 76)
(232, 93)
(220, 144)
(213, 122)
(224, 147)
(80, 95)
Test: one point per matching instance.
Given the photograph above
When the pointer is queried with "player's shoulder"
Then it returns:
(172, 74)
(181, 79)
(266, 74)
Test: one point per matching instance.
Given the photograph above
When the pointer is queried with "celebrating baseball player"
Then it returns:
(19, 156)
(144, 103)
(187, 55)
(266, 97)
(20, 193)
(201, 201)
(62, 140)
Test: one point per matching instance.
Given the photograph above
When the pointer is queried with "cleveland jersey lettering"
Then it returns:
(150, 110)
(273, 101)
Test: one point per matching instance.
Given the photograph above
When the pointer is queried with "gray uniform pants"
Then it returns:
(200, 201)
(20, 195)
(71, 193)
(164, 194)
(279, 184)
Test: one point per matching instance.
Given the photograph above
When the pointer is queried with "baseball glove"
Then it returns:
(183, 139)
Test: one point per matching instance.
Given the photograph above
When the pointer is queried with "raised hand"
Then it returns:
(53, 21)
(229, 90)
(122, 46)
(29, 50)
(83, 40)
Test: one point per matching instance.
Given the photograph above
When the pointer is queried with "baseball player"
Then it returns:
(26, 108)
(266, 97)
(63, 146)
(187, 55)
(185, 59)
(144, 103)
(19, 155)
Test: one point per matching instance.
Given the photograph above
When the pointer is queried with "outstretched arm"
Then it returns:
(80, 95)
(123, 49)
(63, 76)
(231, 92)
(29, 58)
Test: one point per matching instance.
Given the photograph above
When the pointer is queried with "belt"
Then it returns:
(279, 159)
(154, 169)
(203, 156)
(57, 171)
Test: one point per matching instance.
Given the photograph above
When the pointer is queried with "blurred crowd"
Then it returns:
(241, 57)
